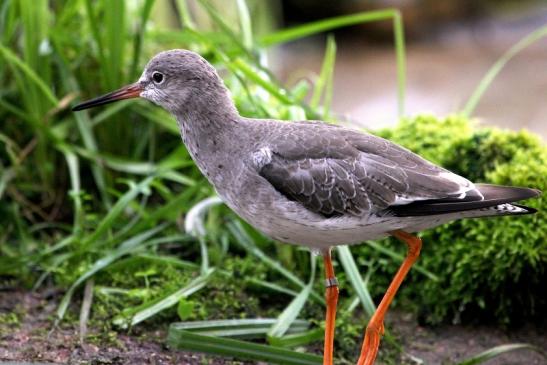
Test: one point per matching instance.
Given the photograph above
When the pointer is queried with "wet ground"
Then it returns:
(443, 69)
(26, 336)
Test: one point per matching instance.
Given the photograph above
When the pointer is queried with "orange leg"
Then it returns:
(331, 296)
(375, 327)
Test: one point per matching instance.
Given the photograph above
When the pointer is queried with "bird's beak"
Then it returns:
(126, 92)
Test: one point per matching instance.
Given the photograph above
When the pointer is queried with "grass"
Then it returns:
(88, 195)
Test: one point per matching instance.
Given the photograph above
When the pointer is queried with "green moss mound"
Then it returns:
(491, 269)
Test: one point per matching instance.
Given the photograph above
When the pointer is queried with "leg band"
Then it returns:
(331, 282)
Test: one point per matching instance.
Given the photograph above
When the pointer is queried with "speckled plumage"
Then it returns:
(309, 182)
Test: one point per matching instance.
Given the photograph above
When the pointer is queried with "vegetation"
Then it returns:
(95, 201)
(489, 270)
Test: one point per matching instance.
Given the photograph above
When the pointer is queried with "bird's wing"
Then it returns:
(333, 170)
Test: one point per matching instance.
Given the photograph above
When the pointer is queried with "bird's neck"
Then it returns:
(208, 128)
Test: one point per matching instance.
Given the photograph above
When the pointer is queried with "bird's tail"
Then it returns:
(503, 198)
(496, 200)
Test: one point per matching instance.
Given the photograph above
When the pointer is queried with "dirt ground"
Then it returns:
(26, 336)
(451, 344)
(29, 337)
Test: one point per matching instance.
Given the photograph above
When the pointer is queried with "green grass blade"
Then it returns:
(498, 351)
(237, 328)
(6, 175)
(399, 258)
(301, 31)
(360, 287)
(173, 209)
(139, 35)
(7, 21)
(159, 117)
(113, 21)
(245, 24)
(288, 316)
(204, 255)
(125, 248)
(184, 15)
(150, 309)
(107, 222)
(271, 286)
(242, 350)
(183, 180)
(16, 62)
(86, 308)
(107, 112)
(167, 260)
(83, 122)
(257, 283)
(194, 219)
(119, 164)
(246, 242)
(298, 339)
(326, 72)
(226, 29)
(94, 26)
(217, 324)
(249, 73)
(16, 111)
(324, 25)
(474, 99)
(400, 56)
(291, 312)
(194, 226)
(75, 192)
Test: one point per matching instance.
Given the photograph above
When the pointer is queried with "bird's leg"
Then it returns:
(375, 327)
(331, 296)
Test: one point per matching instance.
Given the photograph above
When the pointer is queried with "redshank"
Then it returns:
(312, 183)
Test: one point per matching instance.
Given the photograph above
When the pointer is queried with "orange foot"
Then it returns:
(371, 343)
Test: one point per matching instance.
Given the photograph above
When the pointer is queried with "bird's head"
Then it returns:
(172, 79)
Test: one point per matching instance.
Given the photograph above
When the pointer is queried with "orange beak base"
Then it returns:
(126, 92)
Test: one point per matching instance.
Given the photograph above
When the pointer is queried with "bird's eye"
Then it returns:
(157, 77)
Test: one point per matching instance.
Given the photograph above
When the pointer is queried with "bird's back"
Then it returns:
(322, 184)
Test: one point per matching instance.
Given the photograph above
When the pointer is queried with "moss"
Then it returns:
(480, 154)
(432, 138)
(10, 319)
(142, 282)
(490, 270)
(105, 338)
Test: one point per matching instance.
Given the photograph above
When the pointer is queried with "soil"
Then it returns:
(27, 335)
(449, 344)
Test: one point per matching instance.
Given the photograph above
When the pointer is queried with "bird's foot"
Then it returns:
(373, 334)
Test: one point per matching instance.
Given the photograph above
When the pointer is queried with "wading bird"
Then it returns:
(312, 183)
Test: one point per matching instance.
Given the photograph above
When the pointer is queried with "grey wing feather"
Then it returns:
(347, 172)
(325, 186)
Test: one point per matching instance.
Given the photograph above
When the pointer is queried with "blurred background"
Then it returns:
(450, 46)
(110, 234)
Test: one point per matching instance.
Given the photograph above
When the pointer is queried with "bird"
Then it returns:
(312, 183)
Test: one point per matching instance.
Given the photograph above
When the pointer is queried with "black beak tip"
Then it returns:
(77, 108)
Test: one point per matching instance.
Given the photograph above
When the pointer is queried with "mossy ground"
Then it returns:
(28, 336)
